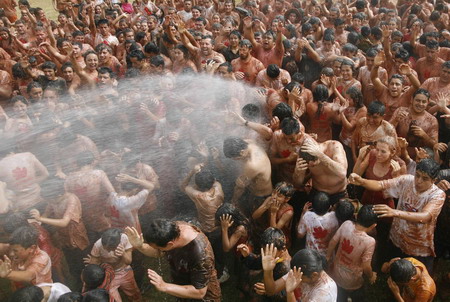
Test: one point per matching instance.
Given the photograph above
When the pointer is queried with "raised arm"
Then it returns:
(378, 85)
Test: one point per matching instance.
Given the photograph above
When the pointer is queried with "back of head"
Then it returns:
(27, 294)
(320, 203)
(161, 232)
(310, 261)
(273, 71)
(251, 112)
(320, 93)
(14, 221)
(111, 238)
(232, 146)
(274, 236)
(70, 297)
(366, 216)
(290, 126)
(282, 111)
(25, 236)
(204, 180)
(344, 210)
(93, 276)
(402, 271)
(96, 295)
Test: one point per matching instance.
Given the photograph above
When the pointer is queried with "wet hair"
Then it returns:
(402, 271)
(290, 125)
(93, 276)
(70, 297)
(232, 146)
(251, 112)
(282, 111)
(344, 210)
(48, 65)
(285, 189)
(236, 33)
(306, 27)
(360, 16)
(397, 33)
(161, 232)
(151, 47)
(273, 71)
(27, 294)
(245, 43)
(298, 77)
(402, 54)
(106, 70)
(101, 47)
(66, 65)
(432, 44)
(328, 71)
(360, 4)
(235, 213)
(111, 238)
(328, 37)
(13, 221)
(310, 261)
(25, 236)
(19, 98)
(52, 188)
(366, 216)
(429, 167)
(138, 54)
(348, 62)
(157, 61)
(338, 22)
(376, 107)
(274, 236)
(84, 158)
(96, 295)
(371, 53)
(227, 65)
(446, 64)
(89, 52)
(19, 72)
(353, 37)
(434, 16)
(376, 32)
(422, 91)
(204, 180)
(320, 95)
(356, 95)
(320, 203)
(396, 76)
(349, 47)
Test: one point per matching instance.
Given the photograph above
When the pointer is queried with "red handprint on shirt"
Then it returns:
(346, 246)
(320, 233)
(285, 153)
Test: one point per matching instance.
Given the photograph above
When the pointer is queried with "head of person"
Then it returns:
(234, 38)
(337, 63)
(320, 93)
(282, 111)
(427, 171)
(396, 36)
(200, 23)
(19, 105)
(5, 34)
(157, 64)
(67, 72)
(276, 237)
(14, 221)
(371, 53)
(225, 70)
(161, 234)
(251, 112)
(93, 276)
(355, 97)
(235, 214)
(366, 217)
(104, 53)
(245, 47)
(347, 69)
(357, 20)
(96, 295)
(289, 87)
(206, 45)
(344, 210)
(28, 294)
(395, 85)
(420, 100)
(111, 239)
(91, 60)
(52, 189)
(23, 243)
(290, 127)
(268, 40)
(103, 27)
(235, 148)
(204, 180)
(444, 75)
(375, 113)
(402, 272)
(311, 263)
(49, 69)
(401, 56)
(328, 42)
(105, 77)
(385, 149)
(70, 297)
(283, 192)
(273, 71)
(320, 203)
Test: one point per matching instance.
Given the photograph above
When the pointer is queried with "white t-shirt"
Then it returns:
(58, 289)
(319, 230)
(124, 209)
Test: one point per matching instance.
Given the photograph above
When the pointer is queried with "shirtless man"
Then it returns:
(414, 123)
(326, 164)
(256, 171)
(271, 50)
(430, 65)
(204, 52)
(364, 77)
(440, 84)
(246, 67)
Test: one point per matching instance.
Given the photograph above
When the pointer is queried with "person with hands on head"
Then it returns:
(190, 254)
(414, 219)
(115, 249)
(409, 280)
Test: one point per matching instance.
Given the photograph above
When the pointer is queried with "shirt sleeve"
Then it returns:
(138, 200)
(393, 187)
(125, 242)
(96, 248)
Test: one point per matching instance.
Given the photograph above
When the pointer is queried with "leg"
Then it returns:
(129, 287)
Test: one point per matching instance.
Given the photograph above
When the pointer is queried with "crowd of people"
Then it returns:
(300, 147)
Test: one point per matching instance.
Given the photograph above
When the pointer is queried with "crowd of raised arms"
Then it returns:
(300, 148)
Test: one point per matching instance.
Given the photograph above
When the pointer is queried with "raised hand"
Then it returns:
(404, 69)
(243, 249)
(119, 251)
(135, 239)
(268, 257)
(395, 166)
(226, 221)
(34, 213)
(156, 280)
(311, 148)
(122, 177)
(248, 22)
(293, 280)
(379, 59)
